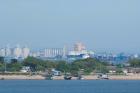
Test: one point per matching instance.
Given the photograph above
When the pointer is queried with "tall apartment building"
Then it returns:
(53, 52)
(79, 47)
(25, 52)
(2, 52)
(16, 52)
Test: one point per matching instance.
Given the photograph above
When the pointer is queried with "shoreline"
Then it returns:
(86, 77)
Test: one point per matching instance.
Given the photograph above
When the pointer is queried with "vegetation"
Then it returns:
(134, 62)
(88, 65)
(85, 65)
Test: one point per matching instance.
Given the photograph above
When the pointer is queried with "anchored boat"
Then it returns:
(103, 76)
(67, 76)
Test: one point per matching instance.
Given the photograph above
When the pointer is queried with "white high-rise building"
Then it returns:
(53, 52)
(2, 52)
(17, 52)
(8, 52)
(79, 47)
(64, 51)
(25, 52)
(80, 50)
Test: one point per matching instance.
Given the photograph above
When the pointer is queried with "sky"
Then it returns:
(102, 25)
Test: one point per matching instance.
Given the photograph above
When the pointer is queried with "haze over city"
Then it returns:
(103, 25)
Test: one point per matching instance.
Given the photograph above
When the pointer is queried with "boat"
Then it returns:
(67, 77)
(103, 76)
(48, 77)
(80, 77)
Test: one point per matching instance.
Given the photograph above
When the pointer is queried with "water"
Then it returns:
(97, 86)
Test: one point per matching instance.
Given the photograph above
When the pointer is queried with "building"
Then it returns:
(2, 52)
(53, 52)
(25, 69)
(17, 52)
(79, 47)
(65, 52)
(79, 52)
(25, 52)
(56, 73)
(8, 52)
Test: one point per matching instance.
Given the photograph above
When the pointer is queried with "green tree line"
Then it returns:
(87, 65)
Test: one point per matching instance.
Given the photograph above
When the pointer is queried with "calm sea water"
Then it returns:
(97, 86)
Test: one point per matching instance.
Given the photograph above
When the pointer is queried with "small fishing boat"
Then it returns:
(103, 76)
(67, 77)
(80, 77)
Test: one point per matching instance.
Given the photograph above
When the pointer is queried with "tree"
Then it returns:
(89, 65)
(134, 62)
(38, 64)
(63, 66)
(2, 67)
(33, 63)
(1, 59)
(14, 66)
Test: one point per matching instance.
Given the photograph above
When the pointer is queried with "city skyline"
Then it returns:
(75, 47)
(79, 51)
(110, 26)
(70, 47)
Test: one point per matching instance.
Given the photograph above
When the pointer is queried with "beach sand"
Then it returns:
(22, 77)
(86, 77)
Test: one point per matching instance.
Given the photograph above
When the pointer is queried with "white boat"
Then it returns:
(103, 76)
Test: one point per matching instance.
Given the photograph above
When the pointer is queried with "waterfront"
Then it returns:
(86, 77)
(95, 86)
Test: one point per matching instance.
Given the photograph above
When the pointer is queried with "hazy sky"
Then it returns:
(103, 25)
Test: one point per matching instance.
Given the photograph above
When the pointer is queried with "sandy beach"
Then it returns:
(87, 77)
(116, 77)
(22, 77)
(125, 77)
